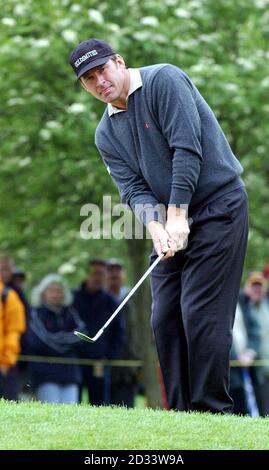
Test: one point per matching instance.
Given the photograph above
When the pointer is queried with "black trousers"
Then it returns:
(9, 384)
(240, 402)
(123, 394)
(194, 301)
(97, 385)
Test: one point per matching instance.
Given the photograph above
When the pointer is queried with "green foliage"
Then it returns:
(49, 164)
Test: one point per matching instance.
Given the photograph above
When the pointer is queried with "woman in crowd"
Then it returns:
(51, 333)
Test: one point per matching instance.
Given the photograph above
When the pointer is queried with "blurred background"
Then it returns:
(49, 166)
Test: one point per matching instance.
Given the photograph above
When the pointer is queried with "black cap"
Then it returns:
(89, 54)
(115, 263)
(17, 272)
(99, 261)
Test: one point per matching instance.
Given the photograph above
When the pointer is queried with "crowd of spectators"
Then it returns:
(42, 328)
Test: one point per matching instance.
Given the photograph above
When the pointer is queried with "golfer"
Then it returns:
(165, 150)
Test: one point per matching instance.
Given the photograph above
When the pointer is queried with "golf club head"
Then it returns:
(118, 309)
(84, 337)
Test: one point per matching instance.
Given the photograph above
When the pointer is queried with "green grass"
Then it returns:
(39, 426)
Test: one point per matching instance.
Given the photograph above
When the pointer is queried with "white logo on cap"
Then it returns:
(85, 57)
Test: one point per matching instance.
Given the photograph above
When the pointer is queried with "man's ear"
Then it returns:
(120, 60)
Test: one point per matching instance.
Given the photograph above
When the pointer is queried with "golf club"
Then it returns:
(100, 332)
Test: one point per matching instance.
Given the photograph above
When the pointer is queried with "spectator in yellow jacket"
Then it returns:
(12, 325)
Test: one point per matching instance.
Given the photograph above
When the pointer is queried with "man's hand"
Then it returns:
(177, 227)
(160, 239)
(247, 357)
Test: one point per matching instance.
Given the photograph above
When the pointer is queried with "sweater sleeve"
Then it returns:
(133, 189)
(179, 120)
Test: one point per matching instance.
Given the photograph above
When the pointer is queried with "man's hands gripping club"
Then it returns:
(174, 236)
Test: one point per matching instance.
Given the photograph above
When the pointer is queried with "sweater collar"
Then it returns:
(135, 83)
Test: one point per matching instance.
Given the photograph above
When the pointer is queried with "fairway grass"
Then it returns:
(42, 426)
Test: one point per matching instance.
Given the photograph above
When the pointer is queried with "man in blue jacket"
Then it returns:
(95, 305)
(165, 150)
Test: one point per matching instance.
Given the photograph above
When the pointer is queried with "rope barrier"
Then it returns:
(256, 363)
(81, 361)
(115, 362)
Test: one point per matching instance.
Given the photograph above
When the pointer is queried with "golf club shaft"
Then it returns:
(125, 300)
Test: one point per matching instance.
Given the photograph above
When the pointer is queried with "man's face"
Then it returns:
(116, 278)
(258, 292)
(18, 281)
(107, 82)
(97, 278)
(6, 270)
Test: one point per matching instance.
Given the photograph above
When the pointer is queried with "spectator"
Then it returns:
(254, 300)
(14, 279)
(18, 278)
(9, 274)
(245, 348)
(12, 325)
(266, 271)
(95, 305)
(51, 333)
(266, 275)
(124, 380)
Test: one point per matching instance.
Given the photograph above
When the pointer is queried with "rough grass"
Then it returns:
(41, 426)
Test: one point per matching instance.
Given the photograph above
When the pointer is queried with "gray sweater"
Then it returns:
(167, 147)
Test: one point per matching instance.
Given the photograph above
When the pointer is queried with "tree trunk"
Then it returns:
(138, 251)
